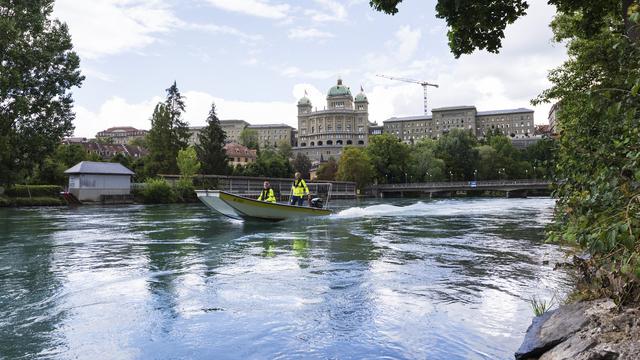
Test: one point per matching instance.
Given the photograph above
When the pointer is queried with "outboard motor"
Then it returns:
(316, 203)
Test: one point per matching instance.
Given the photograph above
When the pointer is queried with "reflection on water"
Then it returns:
(445, 279)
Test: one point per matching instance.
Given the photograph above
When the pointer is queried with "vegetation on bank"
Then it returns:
(597, 91)
(32, 195)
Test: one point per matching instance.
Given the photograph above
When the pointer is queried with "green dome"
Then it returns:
(339, 90)
(361, 97)
(304, 101)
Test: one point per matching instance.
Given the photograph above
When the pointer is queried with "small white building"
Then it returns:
(96, 181)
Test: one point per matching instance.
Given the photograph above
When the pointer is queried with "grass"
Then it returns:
(541, 306)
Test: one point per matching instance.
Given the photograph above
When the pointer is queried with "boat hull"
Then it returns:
(239, 207)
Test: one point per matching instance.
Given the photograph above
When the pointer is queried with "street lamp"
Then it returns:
(475, 175)
(405, 178)
(451, 176)
(534, 172)
(429, 175)
(526, 172)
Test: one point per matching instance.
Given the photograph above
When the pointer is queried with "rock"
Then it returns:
(555, 327)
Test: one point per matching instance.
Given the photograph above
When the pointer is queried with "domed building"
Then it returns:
(343, 122)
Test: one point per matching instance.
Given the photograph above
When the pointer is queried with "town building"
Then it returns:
(239, 154)
(553, 118)
(271, 135)
(344, 122)
(121, 135)
(233, 129)
(194, 132)
(515, 123)
(99, 181)
(108, 151)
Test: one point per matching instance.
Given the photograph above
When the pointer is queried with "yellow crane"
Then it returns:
(423, 83)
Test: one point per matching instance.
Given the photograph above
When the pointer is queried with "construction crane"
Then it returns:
(423, 83)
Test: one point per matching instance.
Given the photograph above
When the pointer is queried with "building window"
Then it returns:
(349, 142)
(319, 143)
(312, 144)
(339, 142)
(360, 142)
(329, 142)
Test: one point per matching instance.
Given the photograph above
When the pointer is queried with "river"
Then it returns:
(435, 279)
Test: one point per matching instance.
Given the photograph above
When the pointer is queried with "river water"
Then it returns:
(438, 279)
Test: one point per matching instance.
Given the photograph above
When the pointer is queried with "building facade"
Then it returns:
(121, 135)
(271, 135)
(239, 154)
(515, 123)
(344, 122)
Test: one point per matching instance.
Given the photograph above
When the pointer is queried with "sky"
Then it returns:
(255, 58)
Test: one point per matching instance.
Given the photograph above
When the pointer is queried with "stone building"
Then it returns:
(233, 128)
(121, 135)
(343, 122)
(96, 181)
(515, 123)
(239, 155)
(271, 135)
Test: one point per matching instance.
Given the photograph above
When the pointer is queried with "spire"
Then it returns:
(305, 92)
(361, 88)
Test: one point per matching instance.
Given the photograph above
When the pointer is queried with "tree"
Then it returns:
(302, 164)
(328, 170)
(457, 149)
(175, 107)
(210, 147)
(480, 24)
(51, 170)
(38, 67)
(355, 165)
(249, 138)
(162, 143)
(389, 157)
(188, 163)
(268, 164)
(423, 163)
(285, 149)
(124, 160)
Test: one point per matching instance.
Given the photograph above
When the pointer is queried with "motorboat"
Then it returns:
(244, 208)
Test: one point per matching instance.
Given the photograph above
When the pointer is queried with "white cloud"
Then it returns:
(330, 11)
(105, 27)
(308, 33)
(115, 111)
(220, 29)
(259, 8)
(408, 40)
(296, 72)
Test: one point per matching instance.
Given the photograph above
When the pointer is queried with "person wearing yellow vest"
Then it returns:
(267, 193)
(299, 190)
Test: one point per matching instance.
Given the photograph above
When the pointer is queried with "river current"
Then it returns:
(407, 279)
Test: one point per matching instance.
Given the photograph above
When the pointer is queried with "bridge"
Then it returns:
(512, 188)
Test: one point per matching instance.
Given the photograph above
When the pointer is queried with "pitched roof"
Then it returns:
(502, 112)
(93, 167)
(409, 118)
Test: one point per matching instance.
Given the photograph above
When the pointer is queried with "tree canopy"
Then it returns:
(38, 67)
(210, 147)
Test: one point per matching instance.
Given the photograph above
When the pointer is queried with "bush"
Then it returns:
(185, 191)
(38, 201)
(4, 202)
(27, 191)
(158, 191)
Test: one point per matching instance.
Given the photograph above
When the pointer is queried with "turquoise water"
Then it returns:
(442, 279)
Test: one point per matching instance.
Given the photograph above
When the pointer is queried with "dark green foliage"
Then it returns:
(37, 69)
(124, 160)
(51, 170)
(33, 191)
(328, 170)
(210, 148)
(38, 201)
(268, 164)
(389, 157)
(423, 163)
(249, 138)
(168, 134)
(457, 149)
(185, 191)
(302, 164)
(355, 165)
(4, 201)
(598, 158)
(158, 191)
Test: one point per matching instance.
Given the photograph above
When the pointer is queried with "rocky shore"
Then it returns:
(590, 330)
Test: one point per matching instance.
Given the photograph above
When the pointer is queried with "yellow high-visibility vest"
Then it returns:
(299, 188)
(267, 195)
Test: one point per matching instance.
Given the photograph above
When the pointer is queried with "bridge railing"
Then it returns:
(463, 184)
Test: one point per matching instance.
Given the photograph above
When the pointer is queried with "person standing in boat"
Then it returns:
(267, 193)
(299, 190)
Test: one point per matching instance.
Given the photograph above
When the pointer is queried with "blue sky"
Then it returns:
(255, 58)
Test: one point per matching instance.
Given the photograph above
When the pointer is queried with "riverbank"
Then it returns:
(586, 330)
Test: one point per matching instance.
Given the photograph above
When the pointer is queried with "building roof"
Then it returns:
(361, 97)
(339, 90)
(235, 149)
(121, 129)
(503, 112)
(269, 126)
(304, 101)
(409, 118)
(233, 121)
(93, 167)
(461, 107)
